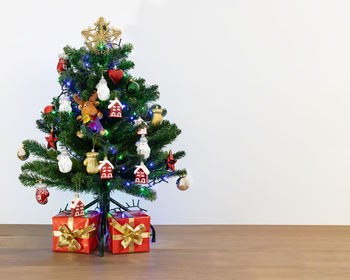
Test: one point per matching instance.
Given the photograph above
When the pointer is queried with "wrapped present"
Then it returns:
(75, 234)
(129, 232)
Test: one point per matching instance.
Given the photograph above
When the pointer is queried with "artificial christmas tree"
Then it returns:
(92, 78)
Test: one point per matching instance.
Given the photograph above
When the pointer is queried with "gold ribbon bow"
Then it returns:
(129, 235)
(67, 237)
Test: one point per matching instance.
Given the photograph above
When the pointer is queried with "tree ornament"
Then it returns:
(63, 63)
(48, 109)
(96, 38)
(170, 161)
(115, 108)
(22, 153)
(91, 162)
(133, 86)
(157, 116)
(51, 141)
(142, 147)
(183, 183)
(41, 193)
(77, 207)
(65, 104)
(103, 91)
(115, 75)
(141, 174)
(143, 126)
(89, 113)
(64, 162)
(106, 169)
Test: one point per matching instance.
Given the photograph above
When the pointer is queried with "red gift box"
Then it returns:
(128, 235)
(75, 234)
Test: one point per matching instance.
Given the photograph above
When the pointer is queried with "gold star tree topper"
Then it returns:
(96, 38)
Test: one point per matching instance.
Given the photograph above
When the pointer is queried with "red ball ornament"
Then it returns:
(115, 75)
(48, 109)
(41, 193)
(63, 63)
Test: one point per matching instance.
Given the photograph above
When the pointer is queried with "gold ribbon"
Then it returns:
(67, 237)
(129, 235)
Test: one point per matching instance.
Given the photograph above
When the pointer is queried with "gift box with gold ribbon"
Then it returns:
(129, 232)
(75, 234)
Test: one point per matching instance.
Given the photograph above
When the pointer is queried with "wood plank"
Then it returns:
(188, 252)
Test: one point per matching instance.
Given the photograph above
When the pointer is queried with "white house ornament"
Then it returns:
(157, 116)
(77, 207)
(64, 162)
(22, 154)
(65, 104)
(115, 108)
(41, 193)
(143, 126)
(183, 183)
(142, 147)
(106, 169)
(103, 91)
(141, 174)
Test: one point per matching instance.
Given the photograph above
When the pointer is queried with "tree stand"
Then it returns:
(104, 200)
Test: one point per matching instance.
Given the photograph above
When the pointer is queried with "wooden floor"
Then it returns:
(187, 252)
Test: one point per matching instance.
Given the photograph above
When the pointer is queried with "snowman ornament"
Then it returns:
(103, 91)
(65, 104)
(142, 147)
(64, 162)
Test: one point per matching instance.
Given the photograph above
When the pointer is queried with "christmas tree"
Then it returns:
(106, 124)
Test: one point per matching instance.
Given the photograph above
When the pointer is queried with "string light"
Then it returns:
(131, 118)
(128, 184)
(151, 164)
(123, 168)
(120, 157)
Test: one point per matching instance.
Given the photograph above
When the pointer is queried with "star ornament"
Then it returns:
(51, 141)
(96, 38)
(170, 162)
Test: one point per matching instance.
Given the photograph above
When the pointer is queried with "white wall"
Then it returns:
(259, 88)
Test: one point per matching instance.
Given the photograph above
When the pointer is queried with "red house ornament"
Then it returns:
(141, 174)
(115, 108)
(106, 169)
(77, 207)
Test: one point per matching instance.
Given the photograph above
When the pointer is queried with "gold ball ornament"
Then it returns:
(183, 183)
(22, 154)
(91, 162)
(157, 116)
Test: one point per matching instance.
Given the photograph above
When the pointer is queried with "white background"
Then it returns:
(259, 88)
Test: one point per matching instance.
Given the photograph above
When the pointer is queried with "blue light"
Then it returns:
(131, 118)
(151, 164)
(123, 106)
(87, 64)
(150, 112)
(128, 184)
(123, 168)
(112, 150)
